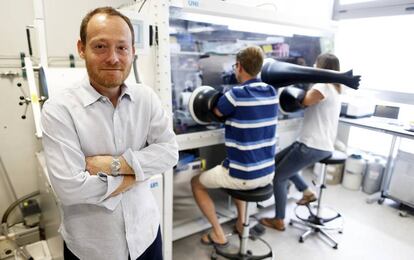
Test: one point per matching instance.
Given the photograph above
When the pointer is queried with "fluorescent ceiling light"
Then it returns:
(348, 2)
(252, 26)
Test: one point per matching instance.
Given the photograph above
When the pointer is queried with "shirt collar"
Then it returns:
(90, 94)
(126, 91)
(251, 81)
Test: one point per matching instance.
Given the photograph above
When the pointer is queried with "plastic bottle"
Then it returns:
(354, 170)
(373, 176)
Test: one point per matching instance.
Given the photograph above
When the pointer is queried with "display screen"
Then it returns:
(386, 111)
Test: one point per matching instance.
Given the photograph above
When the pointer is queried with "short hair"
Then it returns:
(328, 61)
(251, 59)
(109, 11)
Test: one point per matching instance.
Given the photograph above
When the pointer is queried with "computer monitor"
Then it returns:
(386, 111)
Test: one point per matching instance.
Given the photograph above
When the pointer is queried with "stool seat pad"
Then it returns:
(336, 157)
(256, 195)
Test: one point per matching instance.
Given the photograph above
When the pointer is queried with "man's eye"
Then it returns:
(99, 46)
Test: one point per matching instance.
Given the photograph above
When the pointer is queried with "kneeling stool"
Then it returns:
(315, 223)
(256, 195)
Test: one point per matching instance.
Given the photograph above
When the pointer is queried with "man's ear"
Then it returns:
(240, 68)
(81, 49)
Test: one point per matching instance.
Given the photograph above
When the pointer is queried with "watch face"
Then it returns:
(115, 166)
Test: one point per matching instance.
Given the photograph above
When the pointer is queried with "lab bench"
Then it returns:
(394, 173)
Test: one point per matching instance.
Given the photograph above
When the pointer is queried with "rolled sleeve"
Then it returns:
(134, 164)
(112, 184)
(161, 152)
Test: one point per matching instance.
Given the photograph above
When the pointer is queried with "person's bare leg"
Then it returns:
(206, 205)
(241, 210)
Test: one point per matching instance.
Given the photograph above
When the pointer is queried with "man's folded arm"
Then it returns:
(66, 163)
(161, 152)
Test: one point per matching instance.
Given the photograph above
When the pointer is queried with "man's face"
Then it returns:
(108, 51)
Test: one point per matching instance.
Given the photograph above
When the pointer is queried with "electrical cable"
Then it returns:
(16, 203)
(142, 5)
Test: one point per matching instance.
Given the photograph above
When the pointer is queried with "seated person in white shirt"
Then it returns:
(102, 140)
(315, 141)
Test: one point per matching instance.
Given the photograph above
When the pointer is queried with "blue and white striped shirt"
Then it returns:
(250, 129)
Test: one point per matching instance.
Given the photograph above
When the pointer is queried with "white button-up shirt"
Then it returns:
(80, 122)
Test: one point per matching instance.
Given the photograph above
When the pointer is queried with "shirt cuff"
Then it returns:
(112, 184)
(134, 164)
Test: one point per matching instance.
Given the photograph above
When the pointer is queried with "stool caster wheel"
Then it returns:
(335, 247)
(290, 223)
(403, 213)
(300, 240)
(249, 252)
(340, 232)
(381, 200)
(213, 256)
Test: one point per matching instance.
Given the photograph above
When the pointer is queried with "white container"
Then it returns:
(38, 250)
(373, 176)
(354, 171)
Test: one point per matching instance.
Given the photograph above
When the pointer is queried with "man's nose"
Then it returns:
(112, 57)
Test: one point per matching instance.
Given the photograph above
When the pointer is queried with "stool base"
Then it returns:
(315, 224)
(310, 230)
(239, 256)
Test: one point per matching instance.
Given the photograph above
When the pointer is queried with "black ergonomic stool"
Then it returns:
(316, 222)
(256, 195)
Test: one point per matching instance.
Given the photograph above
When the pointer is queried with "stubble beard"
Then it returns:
(102, 81)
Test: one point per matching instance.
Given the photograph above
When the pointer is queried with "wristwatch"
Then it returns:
(115, 166)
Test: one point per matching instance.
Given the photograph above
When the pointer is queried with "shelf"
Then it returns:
(196, 225)
(225, 213)
(200, 139)
(216, 136)
(191, 53)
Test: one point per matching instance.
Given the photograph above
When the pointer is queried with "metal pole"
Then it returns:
(321, 187)
(245, 234)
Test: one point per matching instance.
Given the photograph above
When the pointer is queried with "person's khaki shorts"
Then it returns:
(219, 177)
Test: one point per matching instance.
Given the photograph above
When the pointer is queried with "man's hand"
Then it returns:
(127, 183)
(102, 163)
(98, 163)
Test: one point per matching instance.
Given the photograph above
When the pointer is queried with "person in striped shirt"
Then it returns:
(250, 113)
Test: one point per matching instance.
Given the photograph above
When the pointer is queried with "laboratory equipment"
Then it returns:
(354, 171)
(373, 175)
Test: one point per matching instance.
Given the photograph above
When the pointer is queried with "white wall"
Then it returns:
(17, 141)
(380, 49)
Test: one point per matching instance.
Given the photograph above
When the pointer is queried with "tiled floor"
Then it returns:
(371, 231)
